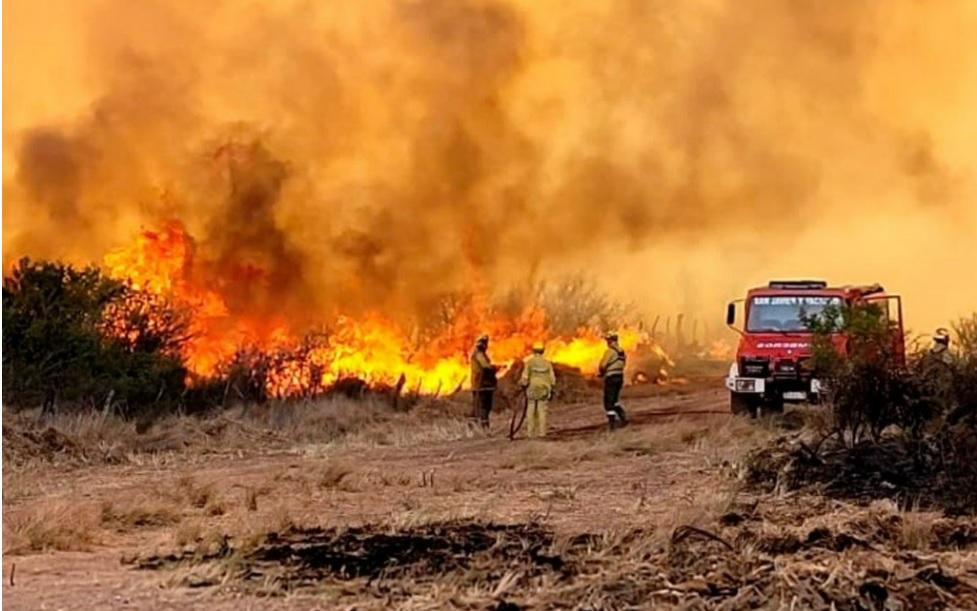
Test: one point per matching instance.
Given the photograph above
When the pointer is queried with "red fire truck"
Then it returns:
(772, 363)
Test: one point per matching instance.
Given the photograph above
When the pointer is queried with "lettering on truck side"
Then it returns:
(783, 344)
(818, 301)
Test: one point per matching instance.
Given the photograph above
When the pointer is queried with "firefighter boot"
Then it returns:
(612, 421)
(622, 416)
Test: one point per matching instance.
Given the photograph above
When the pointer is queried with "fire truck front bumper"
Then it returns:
(746, 385)
(743, 385)
(788, 390)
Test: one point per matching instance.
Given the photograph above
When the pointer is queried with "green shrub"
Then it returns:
(859, 356)
(77, 338)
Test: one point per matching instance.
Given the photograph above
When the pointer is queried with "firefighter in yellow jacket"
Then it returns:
(539, 381)
(612, 370)
(484, 380)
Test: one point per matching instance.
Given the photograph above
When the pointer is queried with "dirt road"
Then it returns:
(665, 468)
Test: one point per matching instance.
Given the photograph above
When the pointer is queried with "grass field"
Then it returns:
(340, 504)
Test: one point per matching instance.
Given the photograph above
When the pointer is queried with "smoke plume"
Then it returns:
(376, 155)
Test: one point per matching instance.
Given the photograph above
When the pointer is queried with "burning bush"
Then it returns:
(77, 337)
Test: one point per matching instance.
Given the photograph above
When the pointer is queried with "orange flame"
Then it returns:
(371, 348)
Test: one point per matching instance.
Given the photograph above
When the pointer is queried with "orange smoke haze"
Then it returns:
(366, 159)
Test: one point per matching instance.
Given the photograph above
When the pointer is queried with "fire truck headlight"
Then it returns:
(745, 385)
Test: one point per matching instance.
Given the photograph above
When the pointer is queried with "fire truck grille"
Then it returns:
(786, 368)
(754, 367)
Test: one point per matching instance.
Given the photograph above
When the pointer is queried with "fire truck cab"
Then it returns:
(772, 365)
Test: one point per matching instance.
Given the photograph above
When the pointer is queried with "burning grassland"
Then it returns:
(147, 334)
(302, 356)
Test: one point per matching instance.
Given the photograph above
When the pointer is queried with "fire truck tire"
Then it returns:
(742, 404)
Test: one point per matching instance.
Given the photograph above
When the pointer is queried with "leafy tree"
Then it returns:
(77, 337)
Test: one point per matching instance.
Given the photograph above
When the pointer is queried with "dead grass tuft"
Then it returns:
(251, 499)
(911, 527)
(917, 530)
(21, 484)
(190, 532)
(194, 494)
(58, 525)
(215, 507)
(533, 455)
(333, 474)
(126, 515)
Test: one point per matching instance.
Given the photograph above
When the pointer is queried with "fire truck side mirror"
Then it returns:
(730, 314)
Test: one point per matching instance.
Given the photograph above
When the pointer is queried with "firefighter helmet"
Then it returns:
(538, 347)
(942, 336)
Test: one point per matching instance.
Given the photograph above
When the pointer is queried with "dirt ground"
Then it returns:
(137, 534)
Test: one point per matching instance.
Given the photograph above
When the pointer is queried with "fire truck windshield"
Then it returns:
(780, 313)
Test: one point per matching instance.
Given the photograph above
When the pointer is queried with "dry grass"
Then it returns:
(60, 524)
(189, 491)
(57, 525)
(917, 530)
(315, 421)
(92, 429)
(722, 444)
(631, 490)
(536, 456)
(713, 546)
(92, 438)
(693, 559)
(21, 484)
(333, 474)
(246, 529)
(130, 514)
(399, 431)
(189, 532)
(914, 529)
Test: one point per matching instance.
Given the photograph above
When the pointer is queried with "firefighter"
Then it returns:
(940, 351)
(538, 382)
(612, 370)
(938, 372)
(483, 380)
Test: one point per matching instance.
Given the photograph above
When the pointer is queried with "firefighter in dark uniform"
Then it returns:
(612, 370)
(484, 380)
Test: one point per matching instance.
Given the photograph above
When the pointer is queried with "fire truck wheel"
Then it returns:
(743, 404)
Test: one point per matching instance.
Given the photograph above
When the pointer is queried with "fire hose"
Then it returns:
(514, 427)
